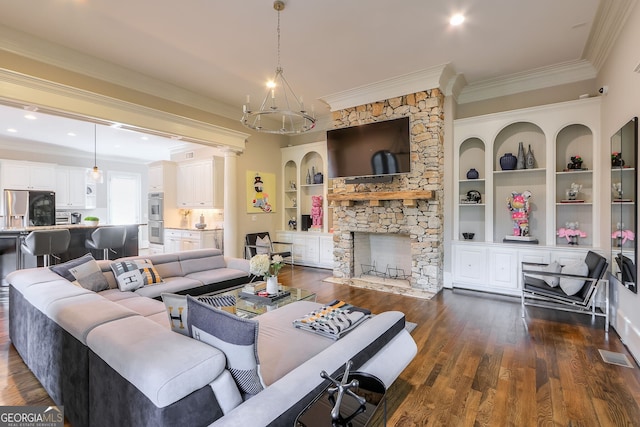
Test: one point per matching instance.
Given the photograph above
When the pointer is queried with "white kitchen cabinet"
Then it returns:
(17, 175)
(471, 264)
(162, 178)
(70, 188)
(200, 183)
(503, 268)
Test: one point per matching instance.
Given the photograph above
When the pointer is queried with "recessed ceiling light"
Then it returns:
(71, 134)
(456, 19)
(12, 130)
(30, 117)
(144, 138)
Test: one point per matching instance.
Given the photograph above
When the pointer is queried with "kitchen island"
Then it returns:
(11, 239)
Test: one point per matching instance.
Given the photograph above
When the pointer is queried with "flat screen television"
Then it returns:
(370, 150)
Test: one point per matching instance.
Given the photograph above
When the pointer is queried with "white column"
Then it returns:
(231, 204)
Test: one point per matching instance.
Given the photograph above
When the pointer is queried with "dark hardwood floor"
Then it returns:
(478, 364)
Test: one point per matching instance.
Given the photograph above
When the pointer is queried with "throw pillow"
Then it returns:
(263, 245)
(177, 310)
(554, 267)
(134, 274)
(84, 272)
(573, 286)
(234, 336)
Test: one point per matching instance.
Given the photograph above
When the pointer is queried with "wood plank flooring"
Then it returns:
(478, 364)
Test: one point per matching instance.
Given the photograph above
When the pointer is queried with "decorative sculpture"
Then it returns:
(572, 193)
(519, 206)
(622, 235)
(342, 387)
(571, 232)
(316, 212)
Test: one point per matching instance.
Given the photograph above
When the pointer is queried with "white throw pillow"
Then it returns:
(263, 245)
(134, 274)
(554, 267)
(573, 286)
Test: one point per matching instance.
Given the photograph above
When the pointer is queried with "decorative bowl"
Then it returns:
(201, 226)
(468, 236)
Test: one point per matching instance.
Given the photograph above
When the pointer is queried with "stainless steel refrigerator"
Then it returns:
(16, 208)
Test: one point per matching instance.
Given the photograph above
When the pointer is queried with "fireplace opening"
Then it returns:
(382, 257)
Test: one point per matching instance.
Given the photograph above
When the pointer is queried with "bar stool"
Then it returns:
(46, 243)
(106, 238)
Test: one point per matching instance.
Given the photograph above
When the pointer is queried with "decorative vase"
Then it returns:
(308, 180)
(508, 162)
(272, 285)
(521, 163)
(530, 160)
(472, 174)
(318, 178)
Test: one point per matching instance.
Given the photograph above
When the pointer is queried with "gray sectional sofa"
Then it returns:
(111, 358)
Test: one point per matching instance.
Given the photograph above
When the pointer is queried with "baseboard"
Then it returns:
(629, 335)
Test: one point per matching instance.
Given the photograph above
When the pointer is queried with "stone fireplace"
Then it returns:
(410, 206)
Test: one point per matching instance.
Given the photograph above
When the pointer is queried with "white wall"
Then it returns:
(621, 104)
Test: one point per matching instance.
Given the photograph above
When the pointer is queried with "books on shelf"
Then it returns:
(333, 320)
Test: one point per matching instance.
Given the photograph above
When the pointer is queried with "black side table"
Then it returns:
(352, 414)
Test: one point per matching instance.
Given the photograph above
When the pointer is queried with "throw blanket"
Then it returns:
(333, 320)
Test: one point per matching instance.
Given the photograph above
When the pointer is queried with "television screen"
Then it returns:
(373, 149)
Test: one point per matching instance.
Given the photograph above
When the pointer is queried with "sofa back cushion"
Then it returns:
(236, 337)
(201, 260)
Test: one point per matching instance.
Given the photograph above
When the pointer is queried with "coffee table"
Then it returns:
(250, 308)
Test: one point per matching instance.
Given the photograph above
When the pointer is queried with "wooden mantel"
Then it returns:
(375, 198)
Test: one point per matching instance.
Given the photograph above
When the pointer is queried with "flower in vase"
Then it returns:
(260, 265)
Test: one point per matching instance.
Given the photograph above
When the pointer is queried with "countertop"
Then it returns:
(193, 229)
(57, 227)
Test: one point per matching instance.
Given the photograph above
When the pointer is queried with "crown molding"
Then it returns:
(430, 78)
(60, 99)
(40, 50)
(539, 78)
(608, 22)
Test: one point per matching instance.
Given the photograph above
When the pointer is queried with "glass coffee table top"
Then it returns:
(249, 308)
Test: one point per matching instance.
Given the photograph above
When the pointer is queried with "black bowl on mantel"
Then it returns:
(468, 236)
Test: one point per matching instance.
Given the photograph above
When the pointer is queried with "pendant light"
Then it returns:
(280, 103)
(95, 174)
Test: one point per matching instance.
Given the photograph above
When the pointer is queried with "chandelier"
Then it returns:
(284, 114)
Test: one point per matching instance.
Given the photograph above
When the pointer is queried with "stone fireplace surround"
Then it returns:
(411, 204)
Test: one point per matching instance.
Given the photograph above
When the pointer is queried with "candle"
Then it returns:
(282, 122)
(248, 99)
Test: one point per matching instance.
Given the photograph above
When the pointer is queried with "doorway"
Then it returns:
(124, 197)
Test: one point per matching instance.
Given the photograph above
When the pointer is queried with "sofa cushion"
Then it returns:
(201, 260)
(234, 336)
(79, 314)
(134, 274)
(83, 271)
(217, 275)
(170, 285)
(41, 295)
(129, 346)
(142, 305)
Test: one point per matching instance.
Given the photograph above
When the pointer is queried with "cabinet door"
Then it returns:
(185, 188)
(42, 176)
(312, 250)
(299, 248)
(326, 251)
(155, 178)
(470, 264)
(503, 270)
(203, 184)
(77, 188)
(172, 241)
(62, 188)
(16, 176)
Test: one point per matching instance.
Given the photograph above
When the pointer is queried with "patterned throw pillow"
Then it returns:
(177, 310)
(236, 337)
(134, 274)
(84, 272)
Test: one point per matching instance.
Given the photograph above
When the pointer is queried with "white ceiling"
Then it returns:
(225, 50)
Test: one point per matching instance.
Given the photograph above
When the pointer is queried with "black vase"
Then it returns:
(508, 162)
(473, 174)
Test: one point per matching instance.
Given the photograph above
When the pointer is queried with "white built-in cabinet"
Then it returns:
(71, 188)
(555, 133)
(19, 175)
(299, 165)
(176, 240)
(200, 183)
